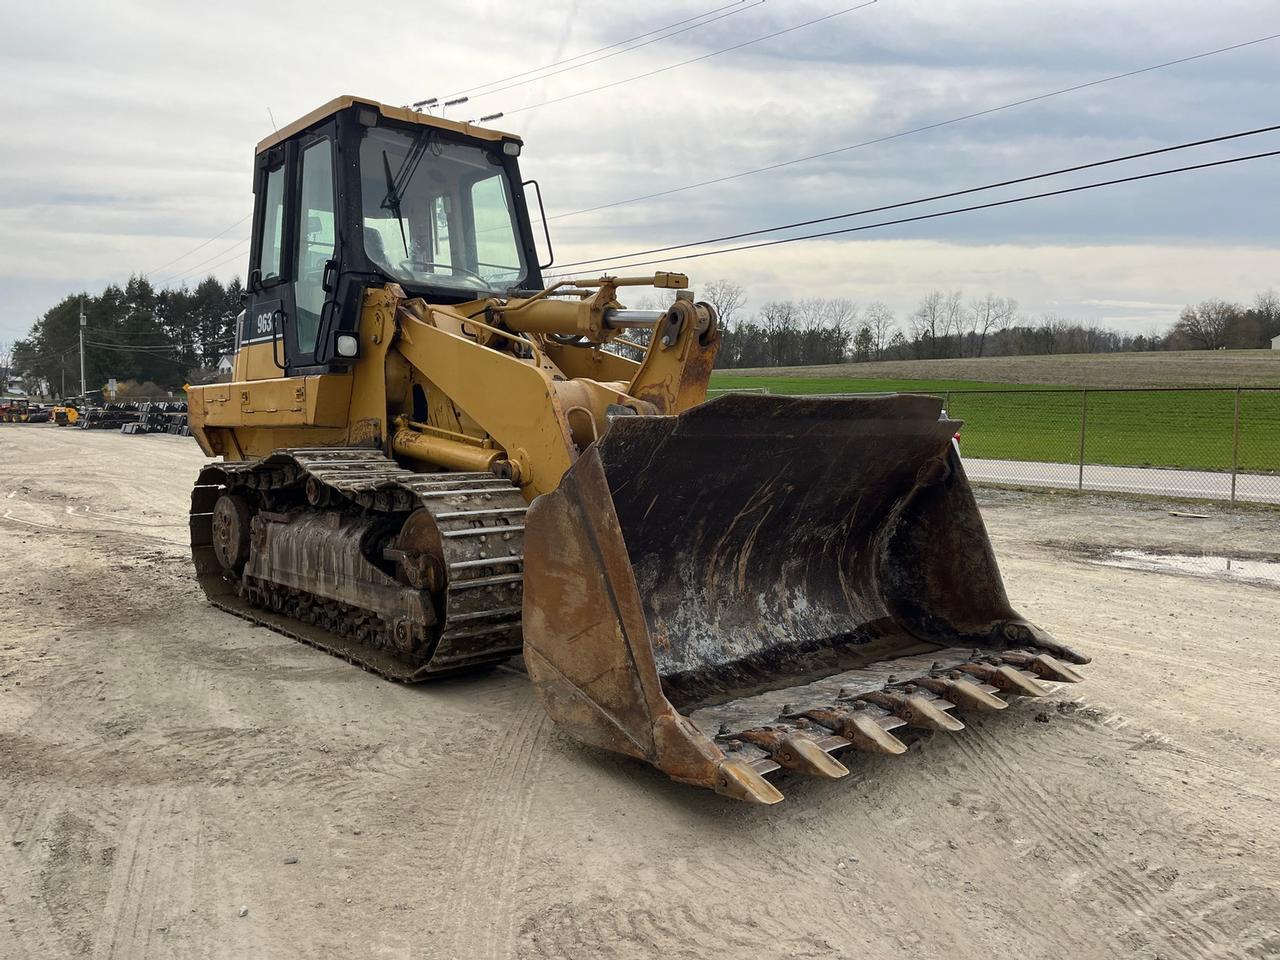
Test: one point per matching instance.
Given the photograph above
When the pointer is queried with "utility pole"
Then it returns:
(83, 392)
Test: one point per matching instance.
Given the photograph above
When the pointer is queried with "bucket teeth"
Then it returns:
(796, 752)
(736, 779)
(860, 729)
(1009, 679)
(965, 694)
(804, 756)
(1044, 666)
(915, 710)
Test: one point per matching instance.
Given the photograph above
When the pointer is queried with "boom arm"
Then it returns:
(535, 415)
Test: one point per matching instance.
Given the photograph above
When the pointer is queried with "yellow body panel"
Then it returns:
(403, 114)
(318, 401)
(254, 361)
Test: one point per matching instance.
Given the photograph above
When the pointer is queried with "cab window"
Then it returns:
(270, 249)
(316, 242)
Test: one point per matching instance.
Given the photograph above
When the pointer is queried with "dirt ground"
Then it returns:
(1188, 368)
(165, 766)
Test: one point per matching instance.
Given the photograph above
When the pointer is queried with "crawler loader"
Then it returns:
(432, 461)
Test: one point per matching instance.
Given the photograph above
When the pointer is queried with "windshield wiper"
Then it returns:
(396, 185)
(392, 200)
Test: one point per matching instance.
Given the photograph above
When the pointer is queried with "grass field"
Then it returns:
(1189, 368)
(1029, 421)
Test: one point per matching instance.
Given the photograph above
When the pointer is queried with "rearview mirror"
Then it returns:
(546, 230)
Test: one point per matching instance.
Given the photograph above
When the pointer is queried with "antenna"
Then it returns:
(272, 118)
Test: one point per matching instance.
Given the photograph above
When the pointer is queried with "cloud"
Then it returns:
(131, 129)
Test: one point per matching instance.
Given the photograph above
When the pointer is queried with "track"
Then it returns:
(480, 521)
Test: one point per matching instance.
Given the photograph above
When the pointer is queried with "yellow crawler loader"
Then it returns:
(430, 461)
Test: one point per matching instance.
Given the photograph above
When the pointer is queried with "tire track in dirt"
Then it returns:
(687, 892)
(950, 771)
(140, 872)
(24, 815)
(1191, 938)
(488, 841)
(601, 927)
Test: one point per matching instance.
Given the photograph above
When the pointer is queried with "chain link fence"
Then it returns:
(1195, 442)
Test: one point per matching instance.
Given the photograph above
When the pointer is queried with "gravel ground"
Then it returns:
(175, 782)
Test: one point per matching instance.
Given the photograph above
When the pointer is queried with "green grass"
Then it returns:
(805, 385)
(1191, 430)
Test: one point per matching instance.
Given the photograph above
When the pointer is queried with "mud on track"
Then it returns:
(161, 761)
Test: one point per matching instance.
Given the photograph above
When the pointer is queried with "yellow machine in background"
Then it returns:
(65, 415)
(432, 461)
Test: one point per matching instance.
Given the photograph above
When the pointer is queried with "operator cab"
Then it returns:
(360, 194)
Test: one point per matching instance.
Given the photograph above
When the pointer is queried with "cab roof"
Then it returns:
(403, 114)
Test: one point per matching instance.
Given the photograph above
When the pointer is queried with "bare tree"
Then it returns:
(879, 318)
(727, 297)
(1093, 335)
(989, 315)
(926, 322)
(953, 319)
(1204, 326)
(815, 313)
(937, 318)
(1266, 307)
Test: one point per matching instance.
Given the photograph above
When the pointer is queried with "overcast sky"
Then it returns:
(129, 129)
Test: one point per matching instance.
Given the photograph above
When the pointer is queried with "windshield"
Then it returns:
(438, 213)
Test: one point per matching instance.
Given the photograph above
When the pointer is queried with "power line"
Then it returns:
(200, 245)
(937, 196)
(685, 63)
(914, 130)
(588, 53)
(235, 256)
(158, 344)
(51, 355)
(140, 348)
(679, 23)
(201, 268)
(948, 213)
(607, 56)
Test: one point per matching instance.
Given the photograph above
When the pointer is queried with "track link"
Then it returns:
(480, 518)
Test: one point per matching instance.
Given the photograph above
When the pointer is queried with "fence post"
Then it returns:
(947, 403)
(1084, 419)
(1235, 447)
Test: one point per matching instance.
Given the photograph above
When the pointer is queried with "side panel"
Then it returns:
(319, 401)
(251, 418)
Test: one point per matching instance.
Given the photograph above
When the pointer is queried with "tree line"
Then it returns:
(134, 332)
(168, 337)
(946, 324)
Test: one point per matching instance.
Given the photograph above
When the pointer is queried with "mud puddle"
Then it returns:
(1204, 565)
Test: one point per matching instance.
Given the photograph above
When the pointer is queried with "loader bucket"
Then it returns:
(762, 581)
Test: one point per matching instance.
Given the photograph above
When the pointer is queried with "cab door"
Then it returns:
(315, 264)
(260, 336)
(292, 259)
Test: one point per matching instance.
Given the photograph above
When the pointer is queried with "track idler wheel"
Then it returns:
(231, 531)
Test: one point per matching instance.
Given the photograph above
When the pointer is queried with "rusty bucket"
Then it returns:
(763, 581)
